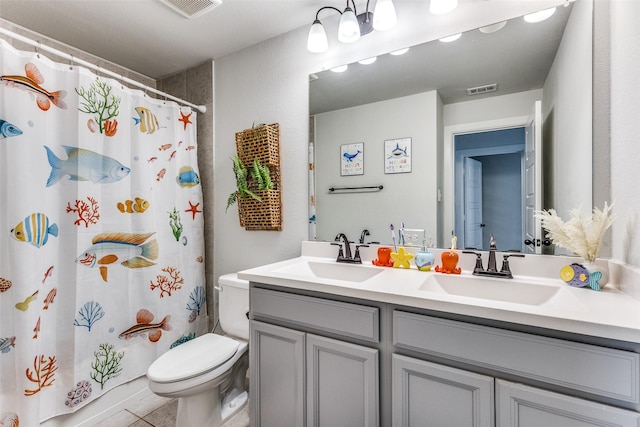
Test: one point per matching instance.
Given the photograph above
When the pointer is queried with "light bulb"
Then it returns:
(317, 40)
(384, 15)
(368, 60)
(340, 68)
(440, 7)
(451, 38)
(540, 16)
(349, 29)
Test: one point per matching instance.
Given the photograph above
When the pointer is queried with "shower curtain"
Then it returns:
(101, 235)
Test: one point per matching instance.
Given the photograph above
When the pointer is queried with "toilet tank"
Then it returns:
(233, 305)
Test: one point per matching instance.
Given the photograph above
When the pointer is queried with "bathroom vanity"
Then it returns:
(384, 348)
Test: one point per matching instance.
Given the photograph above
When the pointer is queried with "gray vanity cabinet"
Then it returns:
(523, 406)
(277, 376)
(299, 377)
(429, 394)
(597, 372)
(321, 360)
(342, 383)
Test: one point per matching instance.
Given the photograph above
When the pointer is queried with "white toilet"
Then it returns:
(207, 374)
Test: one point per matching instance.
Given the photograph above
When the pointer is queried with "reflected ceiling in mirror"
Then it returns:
(517, 58)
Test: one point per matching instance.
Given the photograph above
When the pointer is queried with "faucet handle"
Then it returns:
(356, 256)
(340, 253)
(478, 267)
(505, 263)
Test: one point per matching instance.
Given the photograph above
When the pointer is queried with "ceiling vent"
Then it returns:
(482, 89)
(192, 8)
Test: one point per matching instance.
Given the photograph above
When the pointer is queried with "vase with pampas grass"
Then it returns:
(582, 235)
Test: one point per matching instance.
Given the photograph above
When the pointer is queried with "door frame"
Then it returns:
(460, 155)
(448, 172)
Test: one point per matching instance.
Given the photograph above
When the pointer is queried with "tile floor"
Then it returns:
(156, 411)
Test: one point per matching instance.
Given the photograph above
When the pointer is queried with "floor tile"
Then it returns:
(122, 418)
(165, 416)
(141, 423)
(241, 419)
(147, 404)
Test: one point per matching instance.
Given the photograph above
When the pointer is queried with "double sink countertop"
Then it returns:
(536, 296)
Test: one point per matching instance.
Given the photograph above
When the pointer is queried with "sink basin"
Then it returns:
(496, 289)
(330, 270)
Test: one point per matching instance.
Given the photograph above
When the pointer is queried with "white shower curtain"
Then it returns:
(101, 235)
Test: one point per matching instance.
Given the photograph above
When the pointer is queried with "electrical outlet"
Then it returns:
(414, 236)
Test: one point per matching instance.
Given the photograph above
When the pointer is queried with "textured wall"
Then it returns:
(196, 86)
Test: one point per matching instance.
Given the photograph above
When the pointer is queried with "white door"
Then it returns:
(472, 203)
(533, 180)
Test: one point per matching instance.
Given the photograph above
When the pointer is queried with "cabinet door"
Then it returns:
(427, 394)
(277, 376)
(523, 406)
(342, 384)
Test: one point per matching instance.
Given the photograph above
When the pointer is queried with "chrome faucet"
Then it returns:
(364, 234)
(505, 271)
(345, 256)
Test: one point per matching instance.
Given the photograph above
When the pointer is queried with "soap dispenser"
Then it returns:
(424, 258)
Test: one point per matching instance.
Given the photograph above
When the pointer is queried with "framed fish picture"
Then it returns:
(352, 159)
(397, 155)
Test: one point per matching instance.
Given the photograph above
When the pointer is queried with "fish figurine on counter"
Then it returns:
(578, 276)
(144, 326)
(129, 249)
(31, 82)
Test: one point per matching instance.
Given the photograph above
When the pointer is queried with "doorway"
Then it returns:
(489, 188)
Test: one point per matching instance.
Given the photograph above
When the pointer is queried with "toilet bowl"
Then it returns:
(208, 373)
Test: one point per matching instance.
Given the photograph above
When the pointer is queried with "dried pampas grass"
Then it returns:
(582, 235)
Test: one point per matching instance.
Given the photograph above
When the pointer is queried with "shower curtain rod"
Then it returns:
(39, 45)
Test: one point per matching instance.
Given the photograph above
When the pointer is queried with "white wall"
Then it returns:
(625, 129)
(269, 83)
(406, 197)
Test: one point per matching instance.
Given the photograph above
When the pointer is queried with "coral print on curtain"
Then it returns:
(101, 247)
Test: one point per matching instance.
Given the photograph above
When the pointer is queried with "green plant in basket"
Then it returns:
(260, 178)
(261, 175)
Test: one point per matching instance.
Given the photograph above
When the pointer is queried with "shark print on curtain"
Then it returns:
(101, 235)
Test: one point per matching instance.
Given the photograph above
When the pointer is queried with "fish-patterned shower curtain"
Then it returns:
(101, 235)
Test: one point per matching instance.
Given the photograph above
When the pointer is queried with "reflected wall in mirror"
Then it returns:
(423, 95)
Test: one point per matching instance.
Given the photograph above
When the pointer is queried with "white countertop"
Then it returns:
(609, 313)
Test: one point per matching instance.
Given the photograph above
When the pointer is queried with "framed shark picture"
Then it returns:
(397, 155)
(352, 159)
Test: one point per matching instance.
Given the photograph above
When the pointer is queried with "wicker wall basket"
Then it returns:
(262, 143)
(261, 215)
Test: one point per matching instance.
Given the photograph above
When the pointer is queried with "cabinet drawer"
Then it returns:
(591, 369)
(318, 314)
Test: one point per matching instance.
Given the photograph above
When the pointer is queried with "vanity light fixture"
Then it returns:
(540, 16)
(450, 39)
(352, 25)
(440, 7)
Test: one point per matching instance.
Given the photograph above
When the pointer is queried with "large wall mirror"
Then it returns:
(467, 137)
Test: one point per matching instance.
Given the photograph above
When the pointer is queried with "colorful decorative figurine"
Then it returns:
(450, 260)
(384, 258)
(577, 275)
(401, 258)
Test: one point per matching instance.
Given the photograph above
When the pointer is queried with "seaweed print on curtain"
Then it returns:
(101, 235)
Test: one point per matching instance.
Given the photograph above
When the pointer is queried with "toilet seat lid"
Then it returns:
(192, 358)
